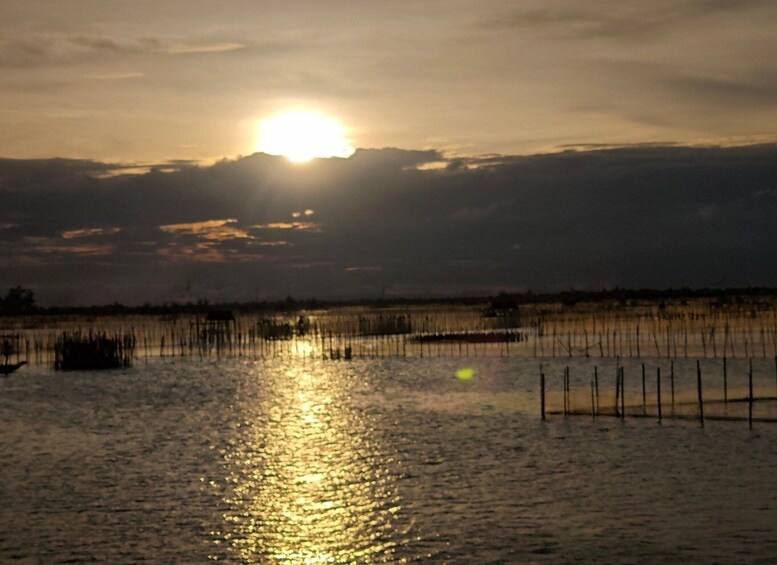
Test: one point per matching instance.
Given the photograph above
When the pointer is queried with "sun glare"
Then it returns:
(301, 136)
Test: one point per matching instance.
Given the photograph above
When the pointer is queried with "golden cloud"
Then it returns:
(90, 250)
(273, 243)
(89, 232)
(215, 230)
(298, 226)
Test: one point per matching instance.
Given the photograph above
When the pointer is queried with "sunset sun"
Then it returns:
(302, 135)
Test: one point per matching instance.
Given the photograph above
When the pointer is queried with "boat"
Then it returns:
(8, 368)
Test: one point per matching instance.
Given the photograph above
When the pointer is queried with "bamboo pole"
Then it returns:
(750, 396)
(593, 401)
(699, 391)
(623, 393)
(658, 392)
(542, 394)
(725, 380)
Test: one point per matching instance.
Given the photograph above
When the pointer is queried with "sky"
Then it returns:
(500, 146)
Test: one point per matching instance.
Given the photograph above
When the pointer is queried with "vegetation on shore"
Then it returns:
(21, 302)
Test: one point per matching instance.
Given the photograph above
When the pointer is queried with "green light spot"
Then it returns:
(465, 374)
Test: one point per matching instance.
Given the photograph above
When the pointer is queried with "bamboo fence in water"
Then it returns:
(697, 392)
(540, 331)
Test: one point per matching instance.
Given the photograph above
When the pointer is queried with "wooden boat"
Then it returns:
(9, 368)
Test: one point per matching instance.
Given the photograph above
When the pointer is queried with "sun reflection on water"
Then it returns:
(309, 480)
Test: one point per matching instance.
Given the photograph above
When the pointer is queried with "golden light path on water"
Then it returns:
(309, 482)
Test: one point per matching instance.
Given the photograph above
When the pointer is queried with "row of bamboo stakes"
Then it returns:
(537, 340)
(620, 407)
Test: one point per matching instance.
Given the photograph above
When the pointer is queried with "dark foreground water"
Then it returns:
(369, 461)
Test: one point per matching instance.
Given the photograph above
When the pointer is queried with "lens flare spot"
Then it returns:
(465, 373)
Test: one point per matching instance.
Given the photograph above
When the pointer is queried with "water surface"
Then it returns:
(384, 460)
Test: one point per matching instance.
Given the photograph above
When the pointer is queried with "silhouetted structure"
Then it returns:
(8, 368)
(504, 308)
(385, 325)
(217, 330)
(10, 345)
(90, 352)
(220, 317)
(270, 329)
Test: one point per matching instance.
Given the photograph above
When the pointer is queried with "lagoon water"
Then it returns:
(369, 461)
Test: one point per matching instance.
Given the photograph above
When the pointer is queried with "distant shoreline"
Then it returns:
(619, 296)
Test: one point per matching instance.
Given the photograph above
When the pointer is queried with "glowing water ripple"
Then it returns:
(309, 481)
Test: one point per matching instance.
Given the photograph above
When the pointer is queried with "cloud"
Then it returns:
(218, 230)
(197, 253)
(627, 22)
(642, 215)
(89, 232)
(102, 44)
(32, 50)
(366, 269)
(192, 49)
(760, 91)
(272, 243)
(52, 49)
(24, 52)
(534, 76)
(312, 265)
(115, 76)
(297, 226)
(207, 241)
(80, 250)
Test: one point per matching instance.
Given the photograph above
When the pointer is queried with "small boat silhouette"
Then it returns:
(9, 368)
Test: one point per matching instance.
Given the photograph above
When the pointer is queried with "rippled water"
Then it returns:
(370, 461)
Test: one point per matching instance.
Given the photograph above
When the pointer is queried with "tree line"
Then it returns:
(20, 301)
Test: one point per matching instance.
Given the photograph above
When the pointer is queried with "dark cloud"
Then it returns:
(618, 20)
(634, 216)
(760, 91)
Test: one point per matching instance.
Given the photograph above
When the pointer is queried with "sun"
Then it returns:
(301, 135)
